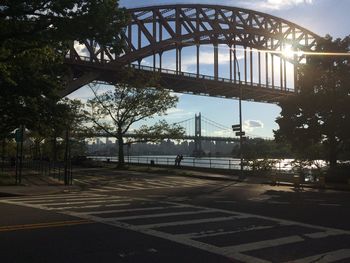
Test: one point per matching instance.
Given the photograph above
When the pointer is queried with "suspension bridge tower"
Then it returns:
(197, 136)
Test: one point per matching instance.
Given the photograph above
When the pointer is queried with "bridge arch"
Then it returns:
(154, 30)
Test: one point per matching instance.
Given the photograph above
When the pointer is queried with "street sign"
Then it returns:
(236, 127)
(240, 133)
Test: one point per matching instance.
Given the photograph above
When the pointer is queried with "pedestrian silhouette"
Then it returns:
(177, 160)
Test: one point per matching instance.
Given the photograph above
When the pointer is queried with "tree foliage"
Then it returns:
(319, 115)
(35, 36)
(135, 98)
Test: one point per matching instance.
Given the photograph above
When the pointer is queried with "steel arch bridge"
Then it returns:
(259, 41)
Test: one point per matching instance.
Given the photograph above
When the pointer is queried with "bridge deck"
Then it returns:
(182, 82)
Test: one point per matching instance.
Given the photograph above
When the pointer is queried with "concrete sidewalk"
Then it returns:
(35, 185)
(39, 185)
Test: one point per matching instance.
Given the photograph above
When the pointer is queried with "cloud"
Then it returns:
(81, 49)
(274, 4)
(250, 125)
(175, 113)
(223, 133)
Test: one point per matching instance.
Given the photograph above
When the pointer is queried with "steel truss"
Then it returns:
(157, 29)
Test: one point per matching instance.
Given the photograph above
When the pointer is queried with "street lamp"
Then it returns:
(241, 175)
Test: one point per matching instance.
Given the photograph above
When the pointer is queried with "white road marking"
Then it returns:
(323, 234)
(87, 198)
(129, 210)
(87, 206)
(158, 185)
(84, 202)
(45, 197)
(174, 238)
(234, 252)
(264, 244)
(199, 235)
(189, 222)
(331, 256)
(155, 215)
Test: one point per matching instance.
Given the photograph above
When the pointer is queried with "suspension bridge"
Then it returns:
(198, 129)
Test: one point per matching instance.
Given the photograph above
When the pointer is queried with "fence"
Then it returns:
(44, 168)
(170, 161)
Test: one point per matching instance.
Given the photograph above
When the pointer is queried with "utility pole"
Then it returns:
(234, 127)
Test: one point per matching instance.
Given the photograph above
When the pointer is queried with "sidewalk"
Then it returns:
(35, 185)
(40, 185)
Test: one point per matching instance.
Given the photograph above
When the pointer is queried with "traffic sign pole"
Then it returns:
(21, 160)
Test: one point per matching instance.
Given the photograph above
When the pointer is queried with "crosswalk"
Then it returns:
(124, 185)
(238, 236)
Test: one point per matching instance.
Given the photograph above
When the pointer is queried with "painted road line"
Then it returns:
(45, 225)
(99, 190)
(278, 220)
(264, 244)
(90, 198)
(42, 206)
(135, 187)
(87, 206)
(90, 202)
(222, 233)
(329, 204)
(62, 196)
(183, 241)
(158, 185)
(131, 210)
(189, 222)
(156, 215)
(323, 234)
(112, 188)
(331, 256)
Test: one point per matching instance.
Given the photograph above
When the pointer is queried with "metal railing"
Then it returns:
(170, 161)
(181, 73)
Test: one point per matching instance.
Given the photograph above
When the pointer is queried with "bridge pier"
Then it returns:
(198, 152)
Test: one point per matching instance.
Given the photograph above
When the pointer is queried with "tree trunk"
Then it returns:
(120, 150)
(332, 158)
(3, 155)
(54, 155)
(332, 154)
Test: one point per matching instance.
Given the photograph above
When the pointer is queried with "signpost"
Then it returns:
(19, 153)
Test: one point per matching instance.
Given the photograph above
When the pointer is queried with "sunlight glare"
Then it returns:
(288, 52)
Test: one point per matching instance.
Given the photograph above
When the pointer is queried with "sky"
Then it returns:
(320, 16)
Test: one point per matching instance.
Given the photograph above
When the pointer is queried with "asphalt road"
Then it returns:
(154, 218)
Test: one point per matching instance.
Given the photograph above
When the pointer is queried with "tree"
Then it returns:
(135, 98)
(35, 36)
(320, 113)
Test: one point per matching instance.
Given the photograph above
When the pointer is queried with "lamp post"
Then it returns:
(241, 175)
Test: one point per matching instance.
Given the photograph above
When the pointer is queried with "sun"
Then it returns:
(288, 52)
